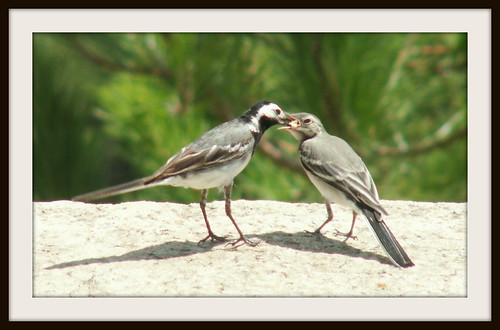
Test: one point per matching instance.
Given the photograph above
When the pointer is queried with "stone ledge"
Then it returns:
(149, 249)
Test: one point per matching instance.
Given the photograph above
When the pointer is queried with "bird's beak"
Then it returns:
(291, 118)
(292, 122)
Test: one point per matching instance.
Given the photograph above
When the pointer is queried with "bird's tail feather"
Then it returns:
(113, 191)
(387, 240)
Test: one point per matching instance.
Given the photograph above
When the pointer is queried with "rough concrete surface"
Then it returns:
(149, 249)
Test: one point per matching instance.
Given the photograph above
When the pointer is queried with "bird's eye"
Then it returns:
(277, 111)
(307, 121)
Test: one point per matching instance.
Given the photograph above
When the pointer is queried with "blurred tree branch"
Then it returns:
(107, 64)
(327, 84)
(418, 149)
(267, 147)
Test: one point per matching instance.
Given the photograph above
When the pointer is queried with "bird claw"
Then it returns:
(347, 236)
(243, 240)
(315, 233)
(213, 238)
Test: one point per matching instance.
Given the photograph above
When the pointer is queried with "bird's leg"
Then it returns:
(317, 232)
(211, 235)
(349, 234)
(227, 193)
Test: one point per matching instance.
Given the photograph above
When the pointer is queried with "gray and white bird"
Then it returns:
(211, 161)
(342, 177)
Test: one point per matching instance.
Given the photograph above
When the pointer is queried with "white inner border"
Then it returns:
(476, 22)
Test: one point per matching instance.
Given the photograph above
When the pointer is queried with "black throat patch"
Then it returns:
(263, 122)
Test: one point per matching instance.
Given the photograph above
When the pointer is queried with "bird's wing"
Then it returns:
(339, 166)
(211, 149)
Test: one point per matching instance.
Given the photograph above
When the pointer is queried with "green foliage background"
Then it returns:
(109, 108)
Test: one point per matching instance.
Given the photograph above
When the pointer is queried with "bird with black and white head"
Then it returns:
(211, 161)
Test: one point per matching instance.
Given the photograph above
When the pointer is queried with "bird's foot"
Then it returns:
(347, 236)
(242, 240)
(317, 233)
(213, 238)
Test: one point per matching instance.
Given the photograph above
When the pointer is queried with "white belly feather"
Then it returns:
(218, 176)
(331, 194)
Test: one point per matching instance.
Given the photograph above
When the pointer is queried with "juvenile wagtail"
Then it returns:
(341, 177)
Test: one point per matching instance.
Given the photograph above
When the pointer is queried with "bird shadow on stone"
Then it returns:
(299, 241)
(304, 241)
(166, 250)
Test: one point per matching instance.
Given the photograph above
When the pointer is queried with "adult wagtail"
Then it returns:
(341, 177)
(213, 160)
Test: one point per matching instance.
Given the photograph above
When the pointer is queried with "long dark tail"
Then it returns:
(113, 191)
(387, 240)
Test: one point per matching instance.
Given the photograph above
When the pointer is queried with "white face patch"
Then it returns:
(270, 110)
